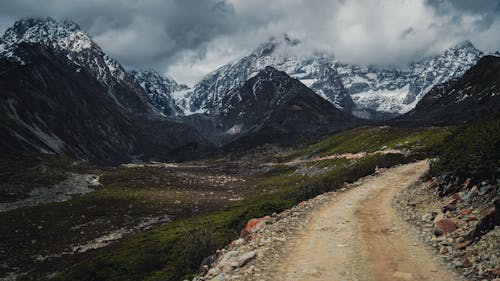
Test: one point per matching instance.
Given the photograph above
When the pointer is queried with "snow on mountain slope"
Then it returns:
(363, 90)
(159, 89)
(67, 40)
(62, 36)
(474, 95)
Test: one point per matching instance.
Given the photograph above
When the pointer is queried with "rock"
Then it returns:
(470, 195)
(462, 245)
(450, 207)
(237, 243)
(246, 257)
(456, 263)
(459, 240)
(438, 217)
(466, 211)
(219, 277)
(254, 225)
(443, 250)
(427, 217)
(489, 222)
(207, 263)
(466, 183)
(466, 263)
(472, 218)
(212, 272)
(445, 226)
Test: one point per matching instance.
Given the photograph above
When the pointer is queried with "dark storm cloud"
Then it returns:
(189, 38)
(137, 32)
(485, 12)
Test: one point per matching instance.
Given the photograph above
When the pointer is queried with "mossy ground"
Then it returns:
(205, 217)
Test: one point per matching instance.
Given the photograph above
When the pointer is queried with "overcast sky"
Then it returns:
(189, 38)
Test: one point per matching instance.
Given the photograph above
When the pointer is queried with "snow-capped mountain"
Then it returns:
(62, 36)
(159, 89)
(402, 94)
(273, 107)
(61, 94)
(366, 91)
(66, 39)
(474, 95)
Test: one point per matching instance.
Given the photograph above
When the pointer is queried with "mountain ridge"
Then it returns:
(366, 91)
(475, 95)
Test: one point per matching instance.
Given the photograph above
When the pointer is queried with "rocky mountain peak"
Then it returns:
(159, 89)
(65, 38)
(59, 35)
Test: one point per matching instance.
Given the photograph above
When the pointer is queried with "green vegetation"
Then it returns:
(473, 150)
(175, 251)
(370, 139)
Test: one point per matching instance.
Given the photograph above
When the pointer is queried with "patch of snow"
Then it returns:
(384, 100)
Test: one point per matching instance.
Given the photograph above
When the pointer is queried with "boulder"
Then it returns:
(465, 211)
(445, 226)
(462, 245)
(246, 257)
(254, 226)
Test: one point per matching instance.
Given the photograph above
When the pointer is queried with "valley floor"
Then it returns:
(352, 235)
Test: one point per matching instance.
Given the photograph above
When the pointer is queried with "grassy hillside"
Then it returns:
(472, 150)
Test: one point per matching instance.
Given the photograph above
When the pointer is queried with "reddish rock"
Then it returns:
(432, 183)
(472, 218)
(464, 212)
(253, 226)
(455, 198)
(445, 226)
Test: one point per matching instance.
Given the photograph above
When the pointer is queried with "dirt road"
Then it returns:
(361, 237)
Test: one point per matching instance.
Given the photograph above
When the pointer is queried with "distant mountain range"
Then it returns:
(366, 91)
(60, 93)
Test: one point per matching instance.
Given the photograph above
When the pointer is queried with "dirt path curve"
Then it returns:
(361, 237)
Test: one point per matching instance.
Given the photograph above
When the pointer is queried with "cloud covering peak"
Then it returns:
(189, 38)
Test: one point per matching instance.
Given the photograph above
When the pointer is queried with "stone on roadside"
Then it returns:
(246, 257)
(445, 226)
(462, 245)
(427, 217)
(443, 250)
